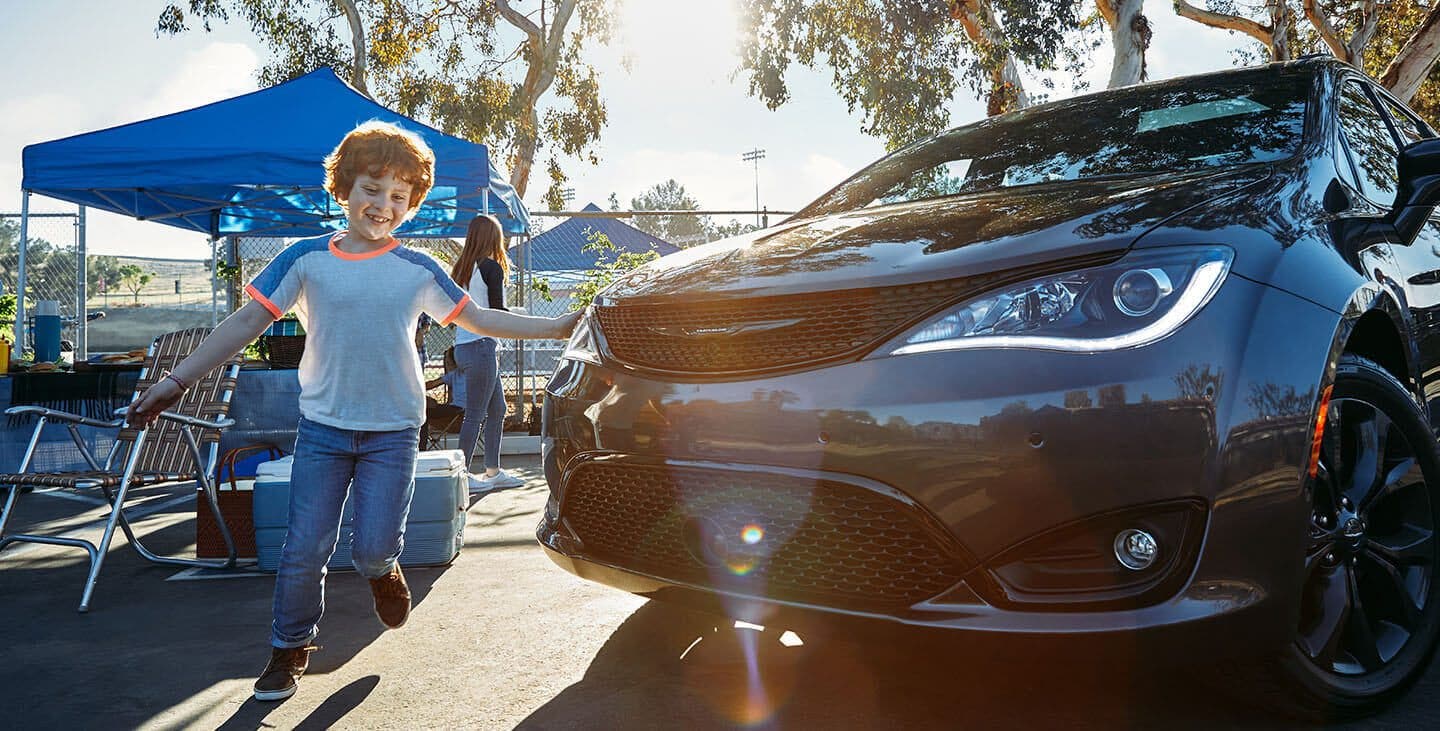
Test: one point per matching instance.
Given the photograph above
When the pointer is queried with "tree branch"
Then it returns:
(518, 19)
(1107, 11)
(1225, 21)
(1414, 60)
(1369, 24)
(1327, 32)
(357, 45)
(551, 57)
(981, 26)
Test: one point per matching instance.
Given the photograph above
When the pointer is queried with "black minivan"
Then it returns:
(1159, 363)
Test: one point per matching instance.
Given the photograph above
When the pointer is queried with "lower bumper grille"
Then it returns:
(770, 534)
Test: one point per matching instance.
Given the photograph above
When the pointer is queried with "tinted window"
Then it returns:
(1371, 145)
(1410, 128)
(1191, 124)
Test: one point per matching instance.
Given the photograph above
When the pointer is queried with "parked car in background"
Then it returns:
(1159, 364)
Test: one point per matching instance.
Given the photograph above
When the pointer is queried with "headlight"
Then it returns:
(1136, 301)
(582, 341)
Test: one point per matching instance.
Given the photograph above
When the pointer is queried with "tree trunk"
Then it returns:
(1280, 23)
(357, 45)
(542, 57)
(1225, 21)
(1407, 71)
(1007, 89)
(1129, 37)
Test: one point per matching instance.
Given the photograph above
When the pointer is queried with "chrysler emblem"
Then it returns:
(724, 330)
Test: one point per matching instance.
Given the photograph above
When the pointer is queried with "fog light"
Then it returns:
(1136, 549)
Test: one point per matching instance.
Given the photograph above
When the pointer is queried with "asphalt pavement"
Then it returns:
(502, 639)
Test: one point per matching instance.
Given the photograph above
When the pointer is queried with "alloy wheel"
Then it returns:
(1371, 557)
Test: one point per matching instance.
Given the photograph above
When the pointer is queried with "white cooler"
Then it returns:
(434, 532)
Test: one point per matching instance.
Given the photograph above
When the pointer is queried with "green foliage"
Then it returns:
(461, 64)
(228, 272)
(670, 196)
(7, 316)
(610, 266)
(680, 230)
(133, 278)
(900, 62)
(101, 273)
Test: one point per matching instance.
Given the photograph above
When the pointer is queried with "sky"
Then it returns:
(681, 111)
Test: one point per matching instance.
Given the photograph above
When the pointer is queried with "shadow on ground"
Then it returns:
(667, 667)
(122, 661)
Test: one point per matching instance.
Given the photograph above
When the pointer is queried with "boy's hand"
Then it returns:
(156, 399)
(565, 324)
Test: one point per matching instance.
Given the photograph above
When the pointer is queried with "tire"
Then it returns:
(1370, 602)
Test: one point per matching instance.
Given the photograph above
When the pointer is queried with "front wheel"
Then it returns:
(1369, 607)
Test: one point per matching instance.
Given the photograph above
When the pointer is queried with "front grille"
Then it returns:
(763, 333)
(809, 540)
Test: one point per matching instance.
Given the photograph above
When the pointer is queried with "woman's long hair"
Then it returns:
(483, 240)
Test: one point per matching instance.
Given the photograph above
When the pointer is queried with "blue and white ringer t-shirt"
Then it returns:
(360, 370)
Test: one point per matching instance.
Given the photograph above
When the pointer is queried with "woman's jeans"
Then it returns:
(382, 467)
(484, 399)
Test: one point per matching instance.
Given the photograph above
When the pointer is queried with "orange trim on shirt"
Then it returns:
(456, 312)
(394, 242)
(262, 299)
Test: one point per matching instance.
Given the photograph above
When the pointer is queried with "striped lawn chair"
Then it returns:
(181, 446)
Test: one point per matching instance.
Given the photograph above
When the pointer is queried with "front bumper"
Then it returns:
(979, 466)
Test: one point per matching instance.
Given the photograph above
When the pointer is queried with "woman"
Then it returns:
(483, 268)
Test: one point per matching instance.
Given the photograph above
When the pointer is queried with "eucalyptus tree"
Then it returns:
(1395, 41)
(510, 73)
(900, 62)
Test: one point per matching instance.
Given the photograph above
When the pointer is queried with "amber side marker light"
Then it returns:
(1319, 432)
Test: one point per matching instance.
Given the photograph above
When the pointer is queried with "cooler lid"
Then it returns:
(440, 460)
(443, 461)
(275, 469)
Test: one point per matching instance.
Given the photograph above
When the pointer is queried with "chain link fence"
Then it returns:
(52, 266)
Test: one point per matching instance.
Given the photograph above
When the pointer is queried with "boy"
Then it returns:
(359, 294)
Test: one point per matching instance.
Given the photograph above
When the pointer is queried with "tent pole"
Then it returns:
(214, 282)
(214, 267)
(19, 347)
(82, 322)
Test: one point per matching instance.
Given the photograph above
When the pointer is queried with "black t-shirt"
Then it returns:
(494, 277)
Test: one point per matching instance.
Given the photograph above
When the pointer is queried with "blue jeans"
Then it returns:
(484, 399)
(381, 465)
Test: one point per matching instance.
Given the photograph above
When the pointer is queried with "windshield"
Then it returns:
(1245, 117)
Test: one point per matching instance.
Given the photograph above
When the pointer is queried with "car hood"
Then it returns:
(947, 238)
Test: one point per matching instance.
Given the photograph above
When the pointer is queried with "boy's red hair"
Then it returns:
(374, 148)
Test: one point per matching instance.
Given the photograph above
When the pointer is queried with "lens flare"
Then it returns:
(752, 534)
(740, 565)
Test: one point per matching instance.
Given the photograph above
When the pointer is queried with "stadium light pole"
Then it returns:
(755, 156)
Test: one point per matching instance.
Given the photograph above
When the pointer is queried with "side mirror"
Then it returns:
(1419, 193)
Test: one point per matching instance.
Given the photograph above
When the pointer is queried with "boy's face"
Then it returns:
(377, 205)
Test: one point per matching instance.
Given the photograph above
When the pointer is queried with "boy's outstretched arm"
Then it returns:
(226, 340)
(502, 324)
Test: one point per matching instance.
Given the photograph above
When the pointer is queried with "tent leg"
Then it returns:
(20, 282)
(82, 320)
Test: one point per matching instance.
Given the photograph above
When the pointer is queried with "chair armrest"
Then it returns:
(62, 416)
(224, 423)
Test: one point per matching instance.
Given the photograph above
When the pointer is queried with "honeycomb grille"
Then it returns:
(759, 534)
(763, 333)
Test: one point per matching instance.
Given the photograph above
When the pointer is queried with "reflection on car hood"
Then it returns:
(945, 238)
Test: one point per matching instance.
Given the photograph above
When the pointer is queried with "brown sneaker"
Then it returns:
(392, 598)
(286, 666)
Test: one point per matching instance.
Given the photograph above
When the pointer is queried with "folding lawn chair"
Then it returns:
(180, 447)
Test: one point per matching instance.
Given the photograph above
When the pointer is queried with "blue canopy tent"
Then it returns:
(251, 165)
